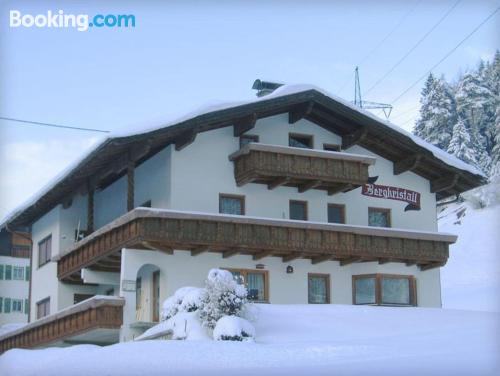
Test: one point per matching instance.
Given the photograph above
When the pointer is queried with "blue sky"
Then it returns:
(184, 54)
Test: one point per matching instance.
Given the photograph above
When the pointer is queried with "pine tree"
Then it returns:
(437, 113)
(495, 154)
(475, 103)
(461, 145)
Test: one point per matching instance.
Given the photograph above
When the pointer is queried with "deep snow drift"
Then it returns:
(298, 340)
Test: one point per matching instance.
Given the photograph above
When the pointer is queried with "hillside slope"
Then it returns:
(471, 278)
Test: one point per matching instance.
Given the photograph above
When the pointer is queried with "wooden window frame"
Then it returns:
(253, 137)
(378, 288)
(46, 261)
(46, 303)
(244, 273)
(341, 206)
(232, 196)
(332, 147)
(385, 210)
(302, 135)
(326, 276)
(298, 202)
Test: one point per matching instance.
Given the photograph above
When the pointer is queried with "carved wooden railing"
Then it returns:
(302, 168)
(167, 230)
(95, 313)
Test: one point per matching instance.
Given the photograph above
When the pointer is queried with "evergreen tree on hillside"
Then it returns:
(461, 145)
(437, 113)
(495, 154)
(476, 105)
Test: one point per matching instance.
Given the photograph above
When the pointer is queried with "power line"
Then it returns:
(28, 122)
(447, 55)
(405, 112)
(413, 47)
(391, 32)
(369, 54)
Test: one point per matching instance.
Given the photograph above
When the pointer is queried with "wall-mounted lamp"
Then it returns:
(289, 269)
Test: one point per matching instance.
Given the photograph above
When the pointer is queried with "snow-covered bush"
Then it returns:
(185, 299)
(233, 328)
(224, 297)
(182, 326)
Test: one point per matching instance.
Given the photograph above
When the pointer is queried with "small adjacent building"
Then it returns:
(308, 198)
(15, 250)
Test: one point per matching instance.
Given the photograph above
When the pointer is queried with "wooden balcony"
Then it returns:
(101, 316)
(302, 168)
(166, 230)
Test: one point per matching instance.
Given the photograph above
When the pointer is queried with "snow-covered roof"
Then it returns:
(211, 113)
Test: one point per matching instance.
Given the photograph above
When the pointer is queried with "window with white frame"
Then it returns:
(18, 273)
(17, 305)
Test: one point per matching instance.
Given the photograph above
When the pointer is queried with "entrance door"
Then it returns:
(156, 296)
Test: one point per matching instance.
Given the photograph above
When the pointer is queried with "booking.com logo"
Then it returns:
(80, 22)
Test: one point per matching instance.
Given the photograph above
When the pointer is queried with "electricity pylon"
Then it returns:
(387, 108)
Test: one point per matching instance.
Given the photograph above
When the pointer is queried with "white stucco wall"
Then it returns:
(14, 289)
(202, 170)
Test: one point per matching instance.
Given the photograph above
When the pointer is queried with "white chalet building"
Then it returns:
(309, 198)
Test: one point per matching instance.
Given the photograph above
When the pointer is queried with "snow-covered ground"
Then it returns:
(297, 340)
(471, 278)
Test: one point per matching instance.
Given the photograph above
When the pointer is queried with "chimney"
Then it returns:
(265, 87)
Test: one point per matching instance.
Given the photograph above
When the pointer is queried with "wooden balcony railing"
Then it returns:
(99, 312)
(302, 168)
(166, 230)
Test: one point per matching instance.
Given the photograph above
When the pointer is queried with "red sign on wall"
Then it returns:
(393, 193)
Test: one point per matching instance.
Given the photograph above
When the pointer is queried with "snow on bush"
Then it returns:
(224, 297)
(185, 299)
(233, 328)
(191, 311)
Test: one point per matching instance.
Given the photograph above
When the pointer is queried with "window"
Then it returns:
(298, 210)
(8, 272)
(6, 305)
(28, 273)
(17, 305)
(256, 282)
(331, 147)
(43, 308)
(248, 138)
(1, 271)
(379, 217)
(1, 305)
(231, 204)
(304, 141)
(44, 251)
(318, 288)
(384, 289)
(336, 213)
(110, 292)
(26, 306)
(18, 273)
(77, 298)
